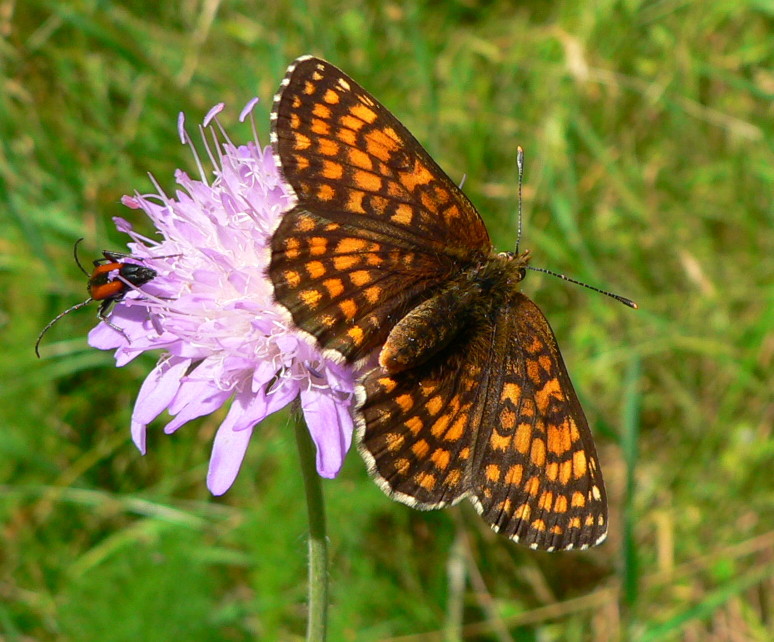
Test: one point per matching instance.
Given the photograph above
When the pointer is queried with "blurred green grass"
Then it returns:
(648, 132)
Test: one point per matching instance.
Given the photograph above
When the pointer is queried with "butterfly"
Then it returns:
(381, 253)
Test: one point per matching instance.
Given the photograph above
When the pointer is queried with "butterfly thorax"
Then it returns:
(459, 309)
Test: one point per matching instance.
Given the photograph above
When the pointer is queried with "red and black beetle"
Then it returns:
(106, 288)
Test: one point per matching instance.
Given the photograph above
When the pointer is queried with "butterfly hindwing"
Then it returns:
(493, 417)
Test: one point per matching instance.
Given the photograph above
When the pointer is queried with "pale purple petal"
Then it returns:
(331, 430)
(228, 451)
(156, 392)
(210, 309)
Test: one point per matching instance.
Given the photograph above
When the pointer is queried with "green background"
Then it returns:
(648, 133)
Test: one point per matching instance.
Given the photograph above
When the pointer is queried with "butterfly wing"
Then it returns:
(376, 224)
(493, 417)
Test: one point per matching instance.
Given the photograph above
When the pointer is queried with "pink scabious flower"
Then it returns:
(210, 308)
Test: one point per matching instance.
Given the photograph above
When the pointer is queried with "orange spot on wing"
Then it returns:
(350, 246)
(406, 402)
(402, 466)
(344, 263)
(579, 463)
(347, 136)
(325, 192)
(311, 298)
(355, 201)
(420, 448)
(321, 128)
(302, 162)
(441, 458)
(514, 475)
(558, 439)
(522, 512)
(414, 424)
(565, 472)
(301, 142)
(457, 429)
(334, 286)
(551, 390)
(499, 442)
(420, 175)
(321, 111)
(292, 278)
(404, 214)
(539, 525)
(363, 113)
(350, 122)
(292, 248)
(538, 453)
(315, 269)
(360, 278)
(387, 384)
(348, 308)
(373, 294)
(523, 438)
(305, 224)
(359, 158)
(367, 181)
(394, 441)
(434, 405)
(439, 427)
(332, 171)
(318, 245)
(426, 480)
(574, 522)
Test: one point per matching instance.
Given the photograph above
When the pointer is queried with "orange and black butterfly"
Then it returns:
(381, 251)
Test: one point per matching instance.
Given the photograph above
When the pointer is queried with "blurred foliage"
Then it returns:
(648, 128)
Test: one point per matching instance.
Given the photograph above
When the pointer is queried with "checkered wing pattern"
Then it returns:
(495, 418)
(381, 251)
(377, 224)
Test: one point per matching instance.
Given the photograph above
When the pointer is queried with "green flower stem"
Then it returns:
(317, 625)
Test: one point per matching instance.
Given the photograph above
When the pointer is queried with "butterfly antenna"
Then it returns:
(520, 166)
(617, 297)
(77, 260)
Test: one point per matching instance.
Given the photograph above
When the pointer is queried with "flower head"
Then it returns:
(211, 309)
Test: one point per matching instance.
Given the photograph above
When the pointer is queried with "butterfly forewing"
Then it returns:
(345, 286)
(345, 154)
(472, 397)
(377, 225)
